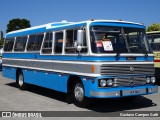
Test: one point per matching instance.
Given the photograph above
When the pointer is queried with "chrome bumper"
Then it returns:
(125, 92)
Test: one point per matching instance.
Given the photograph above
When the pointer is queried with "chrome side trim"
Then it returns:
(105, 94)
(52, 70)
(135, 55)
(153, 90)
(83, 62)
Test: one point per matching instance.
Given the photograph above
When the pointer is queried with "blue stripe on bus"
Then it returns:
(117, 24)
(70, 58)
(28, 32)
(57, 57)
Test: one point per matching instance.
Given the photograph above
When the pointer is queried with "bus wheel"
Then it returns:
(78, 94)
(20, 81)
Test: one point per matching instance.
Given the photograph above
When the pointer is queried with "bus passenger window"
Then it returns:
(58, 42)
(31, 42)
(34, 43)
(38, 42)
(71, 41)
(8, 46)
(20, 43)
(47, 45)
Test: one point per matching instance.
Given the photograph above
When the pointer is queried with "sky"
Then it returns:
(40, 12)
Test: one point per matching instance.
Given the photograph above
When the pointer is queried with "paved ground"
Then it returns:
(41, 99)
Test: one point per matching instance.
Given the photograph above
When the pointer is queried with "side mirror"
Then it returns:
(80, 34)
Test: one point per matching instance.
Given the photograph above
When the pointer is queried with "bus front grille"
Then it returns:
(131, 81)
(126, 69)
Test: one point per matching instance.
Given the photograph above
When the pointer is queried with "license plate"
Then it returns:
(133, 92)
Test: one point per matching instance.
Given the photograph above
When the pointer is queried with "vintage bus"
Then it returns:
(88, 59)
(154, 40)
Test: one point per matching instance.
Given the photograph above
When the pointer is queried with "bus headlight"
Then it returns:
(153, 79)
(103, 83)
(148, 80)
(110, 82)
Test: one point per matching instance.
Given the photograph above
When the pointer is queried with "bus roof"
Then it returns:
(56, 26)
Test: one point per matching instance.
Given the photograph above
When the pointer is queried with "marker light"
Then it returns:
(92, 69)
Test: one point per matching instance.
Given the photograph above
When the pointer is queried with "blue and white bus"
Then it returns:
(88, 59)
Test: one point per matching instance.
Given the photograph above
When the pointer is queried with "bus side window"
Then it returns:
(20, 43)
(31, 42)
(34, 43)
(71, 41)
(58, 42)
(8, 46)
(47, 45)
(38, 42)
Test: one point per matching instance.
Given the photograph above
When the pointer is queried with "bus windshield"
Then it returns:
(118, 40)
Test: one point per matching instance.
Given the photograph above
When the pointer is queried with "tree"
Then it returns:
(17, 24)
(1, 41)
(153, 27)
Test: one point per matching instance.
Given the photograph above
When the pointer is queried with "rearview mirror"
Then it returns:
(80, 34)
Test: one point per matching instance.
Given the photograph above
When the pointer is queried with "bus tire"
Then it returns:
(78, 95)
(20, 81)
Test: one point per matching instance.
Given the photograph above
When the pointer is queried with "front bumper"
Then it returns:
(124, 91)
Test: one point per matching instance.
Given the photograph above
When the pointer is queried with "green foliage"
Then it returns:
(1, 41)
(17, 24)
(153, 27)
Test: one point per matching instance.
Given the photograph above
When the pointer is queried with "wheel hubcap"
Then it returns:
(78, 92)
(20, 80)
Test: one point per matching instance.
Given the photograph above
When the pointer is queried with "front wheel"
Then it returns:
(20, 81)
(78, 94)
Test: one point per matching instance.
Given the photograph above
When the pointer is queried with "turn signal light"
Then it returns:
(92, 69)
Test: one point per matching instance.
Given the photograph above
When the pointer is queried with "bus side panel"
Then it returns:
(89, 83)
(9, 72)
(46, 79)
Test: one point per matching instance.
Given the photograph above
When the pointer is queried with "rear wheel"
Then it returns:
(78, 94)
(20, 81)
